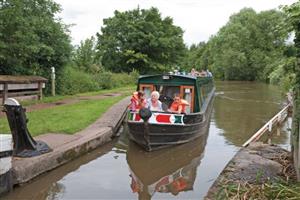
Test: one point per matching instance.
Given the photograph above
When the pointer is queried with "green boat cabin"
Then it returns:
(192, 89)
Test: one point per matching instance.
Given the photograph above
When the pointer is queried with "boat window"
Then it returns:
(167, 94)
(147, 89)
(168, 91)
(187, 93)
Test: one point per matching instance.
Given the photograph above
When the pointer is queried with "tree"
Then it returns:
(85, 56)
(32, 40)
(247, 47)
(140, 39)
(293, 19)
(193, 57)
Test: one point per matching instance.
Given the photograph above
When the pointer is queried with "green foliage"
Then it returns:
(249, 47)
(139, 40)
(32, 39)
(195, 57)
(293, 19)
(85, 56)
(283, 74)
(105, 80)
(108, 80)
(73, 80)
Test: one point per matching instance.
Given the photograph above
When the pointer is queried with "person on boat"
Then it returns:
(209, 74)
(153, 103)
(194, 72)
(137, 101)
(178, 105)
(203, 73)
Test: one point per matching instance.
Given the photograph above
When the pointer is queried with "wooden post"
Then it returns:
(53, 81)
(40, 88)
(4, 93)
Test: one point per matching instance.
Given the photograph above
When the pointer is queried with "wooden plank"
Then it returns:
(21, 79)
(4, 93)
(17, 94)
(22, 86)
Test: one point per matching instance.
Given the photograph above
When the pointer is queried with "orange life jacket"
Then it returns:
(175, 105)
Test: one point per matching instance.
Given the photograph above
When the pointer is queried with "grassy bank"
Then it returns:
(66, 118)
(69, 118)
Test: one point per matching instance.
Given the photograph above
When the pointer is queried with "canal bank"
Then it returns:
(257, 165)
(68, 147)
(245, 176)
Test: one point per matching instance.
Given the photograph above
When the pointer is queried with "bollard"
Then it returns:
(23, 144)
(5, 163)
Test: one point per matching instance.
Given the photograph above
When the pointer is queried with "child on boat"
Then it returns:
(137, 101)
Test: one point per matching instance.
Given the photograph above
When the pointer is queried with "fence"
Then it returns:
(278, 118)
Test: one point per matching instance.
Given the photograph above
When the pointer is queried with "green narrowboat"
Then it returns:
(155, 130)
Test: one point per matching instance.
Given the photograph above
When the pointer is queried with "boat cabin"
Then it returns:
(192, 89)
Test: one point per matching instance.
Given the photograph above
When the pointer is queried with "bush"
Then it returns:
(104, 80)
(73, 81)
(108, 80)
(283, 75)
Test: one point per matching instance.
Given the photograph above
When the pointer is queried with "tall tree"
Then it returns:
(85, 56)
(247, 47)
(32, 39)
(140, 39)
(193, 56)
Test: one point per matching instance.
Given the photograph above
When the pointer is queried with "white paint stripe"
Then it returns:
(5, 165)
(5, 142)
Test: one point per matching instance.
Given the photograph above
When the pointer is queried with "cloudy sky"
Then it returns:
(198, 18)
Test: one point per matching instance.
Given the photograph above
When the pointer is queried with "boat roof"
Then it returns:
(171, 75)
(172, 79)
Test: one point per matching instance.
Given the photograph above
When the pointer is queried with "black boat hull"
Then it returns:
(156, 136)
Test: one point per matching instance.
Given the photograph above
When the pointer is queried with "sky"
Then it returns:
(199, 19)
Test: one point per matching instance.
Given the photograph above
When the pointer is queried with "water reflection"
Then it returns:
(171, 170)
(241, 108)
(47, 186)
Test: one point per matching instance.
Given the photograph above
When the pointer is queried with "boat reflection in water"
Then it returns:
(171, 170)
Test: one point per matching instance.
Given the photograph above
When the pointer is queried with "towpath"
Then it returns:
(70, 100)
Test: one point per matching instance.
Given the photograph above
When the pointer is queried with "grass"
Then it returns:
(69, 118)
(273, 190)
(51, 99)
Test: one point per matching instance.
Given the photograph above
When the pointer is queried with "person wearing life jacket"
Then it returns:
(137, 101)
(178, 105)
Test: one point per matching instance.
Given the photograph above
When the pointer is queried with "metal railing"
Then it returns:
(278, 118)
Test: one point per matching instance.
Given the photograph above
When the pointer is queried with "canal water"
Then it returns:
(121, 170)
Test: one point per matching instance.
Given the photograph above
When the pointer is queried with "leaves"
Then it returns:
(139, 39)
(32, 40)
(248, 47)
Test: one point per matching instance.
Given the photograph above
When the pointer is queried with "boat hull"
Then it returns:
(152, 136)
